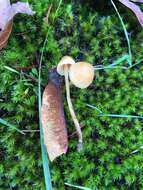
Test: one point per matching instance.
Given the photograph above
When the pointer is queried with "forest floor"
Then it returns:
(86, 32)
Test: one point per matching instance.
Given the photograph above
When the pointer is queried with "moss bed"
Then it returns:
(87, 31)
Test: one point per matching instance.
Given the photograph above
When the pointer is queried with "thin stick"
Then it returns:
(46, 19)
(76, 123)
(30, 131)
(26, 68)
(74, 133)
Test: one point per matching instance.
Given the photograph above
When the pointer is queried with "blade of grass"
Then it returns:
(125, 32)
(115, 64)
(115, 115)
(94, 107)
(137, 150)
(60, 2)
(121, 116)
(120, 60)
(11, 69)
(108, 67)
(17, 72)
(3, 122)
(43, 148)
(137, 63)
(45, 160)
(78, 187)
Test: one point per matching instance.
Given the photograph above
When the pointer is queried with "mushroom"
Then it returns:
(81, 74)
(63, 69)
(66, 60)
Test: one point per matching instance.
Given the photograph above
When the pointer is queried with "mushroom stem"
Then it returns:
(73, 115)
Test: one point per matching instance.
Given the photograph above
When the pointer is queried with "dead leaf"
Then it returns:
(4, 34)
(8, 10)
(53, 119)
(135, 8)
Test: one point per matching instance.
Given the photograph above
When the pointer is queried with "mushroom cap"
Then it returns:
(66, 60)
(81, 74)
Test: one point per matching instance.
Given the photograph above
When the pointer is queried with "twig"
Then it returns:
(30, 77)
(26, 68)
(46, 19)
(30, 131)
(74, 133)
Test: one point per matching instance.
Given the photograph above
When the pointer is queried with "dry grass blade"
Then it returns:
(46, 19)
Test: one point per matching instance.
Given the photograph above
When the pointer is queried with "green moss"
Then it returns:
(86, 34)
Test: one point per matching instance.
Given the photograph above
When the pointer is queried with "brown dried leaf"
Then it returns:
(4, 35)
(135, 8)
(53, 120)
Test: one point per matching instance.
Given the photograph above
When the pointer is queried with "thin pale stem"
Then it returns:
(31, 131)
(73, 115)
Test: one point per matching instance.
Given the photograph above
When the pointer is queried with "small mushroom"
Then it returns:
(66, 60)
(81, 74)
(63, 69)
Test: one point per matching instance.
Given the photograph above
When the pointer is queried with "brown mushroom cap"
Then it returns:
(66, 60)
(81, 74)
